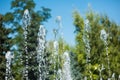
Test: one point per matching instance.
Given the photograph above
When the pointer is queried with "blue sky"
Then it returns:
(64, 8)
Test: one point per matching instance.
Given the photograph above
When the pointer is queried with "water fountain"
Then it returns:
(87, 46)
(103, 36)
(100, 71)
(119, 77)
(59, 22)
(26, 23)
(41, 52)
(9, 56)
(85, 78)
(57, 70)
(113, 76)
(56, 47)
(65, 73)
(66, 67)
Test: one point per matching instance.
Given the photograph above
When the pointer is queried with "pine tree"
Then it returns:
(5, 42)
(37, 18)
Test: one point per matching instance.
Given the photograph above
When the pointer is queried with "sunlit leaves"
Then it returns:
(78, 22)
(98, 52)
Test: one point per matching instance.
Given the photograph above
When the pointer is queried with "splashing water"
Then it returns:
(86, 40)
(9, 56)
(104, 37)
(66, 67)
(26, 23)
(56, 59)
(40, 53)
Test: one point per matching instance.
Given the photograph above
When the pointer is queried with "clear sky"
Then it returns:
(64, 8)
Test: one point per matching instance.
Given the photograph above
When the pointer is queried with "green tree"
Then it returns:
(5, 41)
(98, 55)
(79, 50)
(114, 48)
(37, 18)
(63, 46)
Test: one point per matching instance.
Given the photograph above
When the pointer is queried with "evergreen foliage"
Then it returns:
(5, 40)
(12, 38)
(15, 20)
(98, 56)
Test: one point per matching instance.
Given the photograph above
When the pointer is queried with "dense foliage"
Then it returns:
(98, 56)
(82, 64)
(14, 20)
(5, 45)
